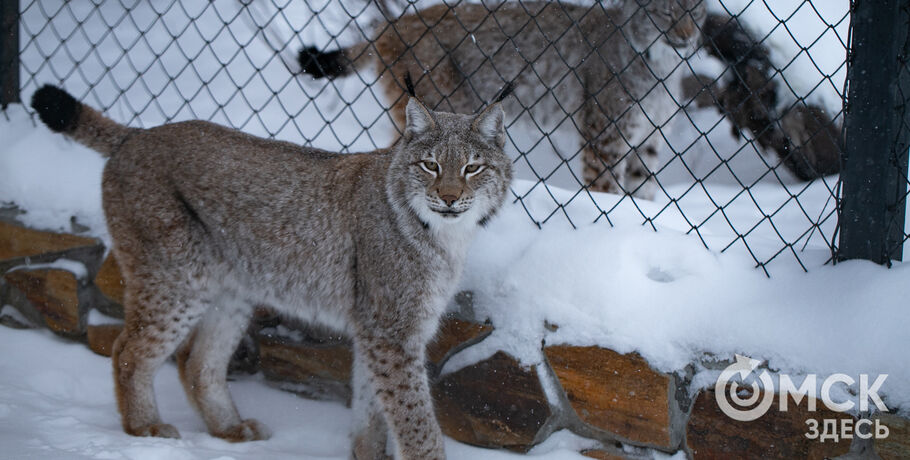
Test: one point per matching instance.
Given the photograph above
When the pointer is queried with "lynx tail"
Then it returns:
(62, 113)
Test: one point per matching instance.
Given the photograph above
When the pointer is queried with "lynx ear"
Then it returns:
(418, 118)
(489, 124)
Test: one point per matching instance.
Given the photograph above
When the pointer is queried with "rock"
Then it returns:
(897, 444)
(101, 337)
(308, 356)
(313, 369)
(246, 358)
(619, 394)
(454, 335)
(711, 434)
(17, 241)
(494, 403)
(54, 294)
(10, 317)
(109, 279)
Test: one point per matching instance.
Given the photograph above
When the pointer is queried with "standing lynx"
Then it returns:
(207, 221)
(605, 70)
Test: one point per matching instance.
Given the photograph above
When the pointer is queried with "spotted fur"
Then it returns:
(207, 221)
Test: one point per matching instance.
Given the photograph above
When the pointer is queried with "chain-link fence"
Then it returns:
(719, 118)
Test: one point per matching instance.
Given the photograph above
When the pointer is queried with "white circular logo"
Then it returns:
(727, 391)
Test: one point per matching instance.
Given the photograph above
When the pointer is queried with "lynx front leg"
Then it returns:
(604, 151)
(639, 179)
(370, 432)
(604, 166)
(203, 362)
(399, 381)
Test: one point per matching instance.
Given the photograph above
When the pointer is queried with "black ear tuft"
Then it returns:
(56, 108)
(505, 91)
(409, 85)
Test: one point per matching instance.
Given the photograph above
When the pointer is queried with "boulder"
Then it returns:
(493, 403)
(54, 294)
(775, 435)
(619, 394)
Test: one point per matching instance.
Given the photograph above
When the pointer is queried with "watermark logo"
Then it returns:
(743, 409)
(745, 403)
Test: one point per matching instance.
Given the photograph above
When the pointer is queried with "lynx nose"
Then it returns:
(449, 199)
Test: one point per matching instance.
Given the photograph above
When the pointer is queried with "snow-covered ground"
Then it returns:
(662, 294)
(56, 403)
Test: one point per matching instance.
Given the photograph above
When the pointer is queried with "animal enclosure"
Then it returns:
(752, 150)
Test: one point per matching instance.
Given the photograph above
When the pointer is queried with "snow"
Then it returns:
(73, 266)
(51, 177)
(666, 297)
(64, 408)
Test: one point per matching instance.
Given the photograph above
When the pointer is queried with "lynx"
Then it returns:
(607, 70)
(207, 221)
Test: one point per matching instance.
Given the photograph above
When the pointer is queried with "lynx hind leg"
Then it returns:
(203, 362)
(370, 433)
(157, 320)
(604, 150)
(399, 383)
(603, 167)
(639, 179)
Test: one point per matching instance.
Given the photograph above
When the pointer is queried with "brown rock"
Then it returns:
(319, 370)
(453, 336)
(101, 337)
(494, 403)
(711, 434)
(617, 393)
(298, 362)
(16, 241)
(897, 444)
(109, 280)
(53, 293)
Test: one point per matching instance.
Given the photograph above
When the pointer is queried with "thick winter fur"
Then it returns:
(605, 69)
(803, 135)
(207, 221)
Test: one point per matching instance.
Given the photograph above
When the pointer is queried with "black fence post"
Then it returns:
(876, 133)
(9, 52)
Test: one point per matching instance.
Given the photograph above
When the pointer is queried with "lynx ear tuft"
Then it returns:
(409, 85)
(418, 118)
(489, 124)
(505, 92)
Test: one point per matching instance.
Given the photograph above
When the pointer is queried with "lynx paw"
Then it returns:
(159, 430)
(247, 430)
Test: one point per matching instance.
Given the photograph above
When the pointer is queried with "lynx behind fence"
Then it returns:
(737, 140)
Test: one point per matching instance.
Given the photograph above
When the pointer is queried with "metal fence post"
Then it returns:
(877, 138)
(9, 52)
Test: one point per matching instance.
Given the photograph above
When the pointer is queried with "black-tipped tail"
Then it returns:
(321, 64)
(56, 108)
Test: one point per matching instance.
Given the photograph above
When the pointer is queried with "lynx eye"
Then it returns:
(430, 166)
(473, 169)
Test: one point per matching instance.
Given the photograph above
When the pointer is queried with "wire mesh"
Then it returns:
(744, 153)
